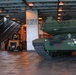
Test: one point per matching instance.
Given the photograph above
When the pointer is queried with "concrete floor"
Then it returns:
(30, 63)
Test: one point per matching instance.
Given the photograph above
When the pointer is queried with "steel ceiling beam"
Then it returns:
(13, 8)
(13, 5)
(10, 2)
(50, 8)
(24, 8)
(45, 4)
(25, 2)
(67, 0)
(41, 0)
(48, 11)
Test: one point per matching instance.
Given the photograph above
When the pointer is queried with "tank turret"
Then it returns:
(62, 44)
(54, 27)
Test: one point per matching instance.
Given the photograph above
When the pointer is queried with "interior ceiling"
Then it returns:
(17, 8)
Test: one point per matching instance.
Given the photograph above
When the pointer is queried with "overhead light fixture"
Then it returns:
(18, 21)
(61, 3)
(60, 9)
(40, 18)
(0, 11)
(13, 18)
(31, 4)
(25, 25)
(59, 17)
(59, 14)
(7, 15)
(58, 20)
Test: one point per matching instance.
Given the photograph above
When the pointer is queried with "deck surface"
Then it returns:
(30, 63)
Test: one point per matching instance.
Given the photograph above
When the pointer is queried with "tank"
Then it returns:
(63, 42)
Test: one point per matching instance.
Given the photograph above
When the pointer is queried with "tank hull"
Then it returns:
(63, 42)
(51, 48)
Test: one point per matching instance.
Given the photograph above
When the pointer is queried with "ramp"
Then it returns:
(7, 28)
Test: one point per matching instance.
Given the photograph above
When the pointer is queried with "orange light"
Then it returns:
(0, 11)
(61, 3)
(60, 9)
(18, 21)
(31, 4)
(7, 15)
(13, 18)
(40, 18)
(59, 14)
(59, 18)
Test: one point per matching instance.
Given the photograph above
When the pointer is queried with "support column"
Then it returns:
(32, 27)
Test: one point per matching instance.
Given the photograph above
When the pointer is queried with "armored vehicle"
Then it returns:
(63, 42)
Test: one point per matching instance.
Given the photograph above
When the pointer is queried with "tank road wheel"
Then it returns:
(59, 54)
(68, 53)
(54, 54)
(41, 51)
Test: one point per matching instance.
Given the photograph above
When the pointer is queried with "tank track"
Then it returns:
(39, 48)
(7, 28)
